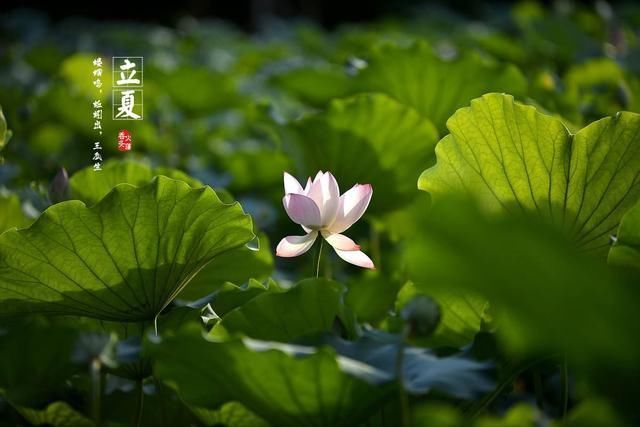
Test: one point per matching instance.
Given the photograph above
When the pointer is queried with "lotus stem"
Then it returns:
(96, 389)
(319, 257)
(140, 404)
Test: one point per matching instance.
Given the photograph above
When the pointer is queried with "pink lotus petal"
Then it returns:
(326, 193)
(302, 210)
(358, 258)
(308, 186)
(291, 185)
(292, 246)
(340, 241)
(315, 189)
(312, 184)
(330, 198)
(351, 206)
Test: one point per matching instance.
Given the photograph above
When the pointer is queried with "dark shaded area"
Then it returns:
(246, 14)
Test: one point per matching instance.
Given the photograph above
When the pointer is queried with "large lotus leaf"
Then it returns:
(434, 86)
(454, 375)
(285, 385)
(369, 138)
(513, 158)
(626, 248)
(309, 307)
(546, 297)
(90, 186)
(123, 259)
(235, 266)
(544, 294)
(231, 296)
(304, 380)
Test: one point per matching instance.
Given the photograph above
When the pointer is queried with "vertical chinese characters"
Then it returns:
(128, 76)
(97, 156)
(97, 114)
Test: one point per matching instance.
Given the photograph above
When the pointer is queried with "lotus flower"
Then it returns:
(320, 209)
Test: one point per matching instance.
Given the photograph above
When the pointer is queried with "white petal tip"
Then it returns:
(358, 258)
(292, 246)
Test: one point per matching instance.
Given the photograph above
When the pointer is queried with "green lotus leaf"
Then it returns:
(417, 76)
(365, 139)
(542, 290)
(285, 385)
(236, 266)
(309, 307)
(90, 186)
(123, 259)
(513, 158)
(231, 296)
(626, 248)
